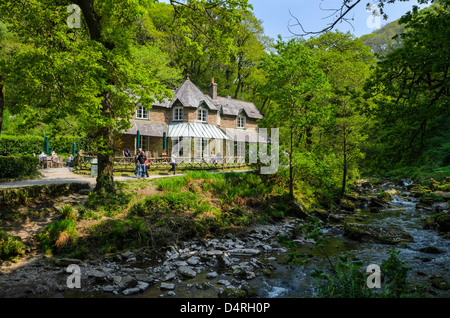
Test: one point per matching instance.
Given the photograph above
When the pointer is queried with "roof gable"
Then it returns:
(190, 96)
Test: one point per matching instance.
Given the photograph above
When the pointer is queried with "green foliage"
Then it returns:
(347, 281)
(10, 248)
(117, 235)
(383, 41)
(87, 214)
(109, 203)
(409, 89)
(395, 274)
(29, 144)
(66, 212)
(56, 236)
(18, 166)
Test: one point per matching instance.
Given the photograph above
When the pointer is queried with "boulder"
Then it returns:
(443, 222)
(187, 271)
(434, 183)
(167, 286)
(244, 252)
(440, 283)
(431, 250)
(347, 205)
(377, 203)
(372, 233)
(385, 196)
(127, 282)
(232, 293)
(321, 214)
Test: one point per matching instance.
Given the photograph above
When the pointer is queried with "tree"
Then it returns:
(384, 40)
(296, 87)
(410, 87)
(94, 71)
(346, 61)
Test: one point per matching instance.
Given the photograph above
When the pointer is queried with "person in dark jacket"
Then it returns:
(142, 158)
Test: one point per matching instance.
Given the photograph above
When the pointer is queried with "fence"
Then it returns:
(161, 162)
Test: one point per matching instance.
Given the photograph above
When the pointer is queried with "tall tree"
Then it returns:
(91, 71)
(411, 86)
(296, 87)
(346, 61)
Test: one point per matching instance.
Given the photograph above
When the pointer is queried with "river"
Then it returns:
(295, 280)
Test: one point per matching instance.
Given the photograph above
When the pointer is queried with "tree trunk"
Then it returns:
(344, 172)
(291, 176)
(2, 103)
(105, 152)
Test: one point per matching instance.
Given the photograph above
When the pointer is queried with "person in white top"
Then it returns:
(173, 163)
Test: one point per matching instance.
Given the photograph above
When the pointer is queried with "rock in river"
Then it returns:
(187, 271)
(377, 234)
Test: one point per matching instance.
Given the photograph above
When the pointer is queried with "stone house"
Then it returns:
(194, 125)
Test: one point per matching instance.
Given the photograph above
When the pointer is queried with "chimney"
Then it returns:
(213, 89)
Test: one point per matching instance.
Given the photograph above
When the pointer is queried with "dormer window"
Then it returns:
(241, 122)
(141, 113)
(202, 115)
(178, 114)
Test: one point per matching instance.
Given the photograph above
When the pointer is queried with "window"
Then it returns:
(141, 113)
(177, 146)
(241, 122)
(202, 115)
(145, 143)
(178, 114)
(218, 118)
(201, 148)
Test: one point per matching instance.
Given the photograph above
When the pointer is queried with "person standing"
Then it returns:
(136, 162)
(173, 163)
(146, 164)
(141, 161)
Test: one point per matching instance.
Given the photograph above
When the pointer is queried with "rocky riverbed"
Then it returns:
(214, 268)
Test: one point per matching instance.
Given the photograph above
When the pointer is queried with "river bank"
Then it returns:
(253, 262)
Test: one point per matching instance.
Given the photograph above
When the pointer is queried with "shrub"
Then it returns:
(54, 237)
(18, 166)
(116, 235)
(66, 212)
(29, 144)
(10, 248)
(395, 274)
(346, 282)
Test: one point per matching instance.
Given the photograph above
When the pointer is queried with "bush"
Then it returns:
(346, 282)
(54, 237)
(66, 212)
(29, 144)
(18, 166)
(117, 235)
(10, 248)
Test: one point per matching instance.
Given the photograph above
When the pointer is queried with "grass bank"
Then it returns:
(160, 212)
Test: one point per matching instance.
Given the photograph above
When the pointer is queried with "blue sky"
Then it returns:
(276, 18)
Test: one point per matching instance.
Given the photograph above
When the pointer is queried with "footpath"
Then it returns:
(65, 175)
